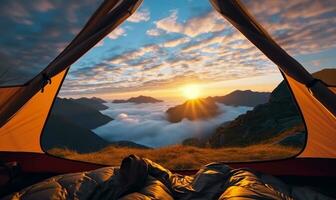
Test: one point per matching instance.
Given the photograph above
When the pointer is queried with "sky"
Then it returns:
(166, 44)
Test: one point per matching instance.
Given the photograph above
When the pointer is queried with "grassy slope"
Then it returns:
(183, 157)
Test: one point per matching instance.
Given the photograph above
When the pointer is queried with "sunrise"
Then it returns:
(191, 91)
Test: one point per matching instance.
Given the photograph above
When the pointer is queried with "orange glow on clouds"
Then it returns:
(193, 90)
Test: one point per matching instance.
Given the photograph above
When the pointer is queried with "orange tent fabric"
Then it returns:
(22, 132)
(320, 123)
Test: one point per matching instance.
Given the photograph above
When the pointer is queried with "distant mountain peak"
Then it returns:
(94, 102)
(243, 98)
(193, 110)
(139, 99)
(98, 99)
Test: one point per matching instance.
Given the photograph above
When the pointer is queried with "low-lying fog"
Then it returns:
(146, 124)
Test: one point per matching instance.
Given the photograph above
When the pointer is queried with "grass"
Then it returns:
(182, 157)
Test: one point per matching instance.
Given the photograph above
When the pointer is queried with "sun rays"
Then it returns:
(191, 92)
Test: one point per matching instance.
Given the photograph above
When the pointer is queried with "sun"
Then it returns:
(191, 91)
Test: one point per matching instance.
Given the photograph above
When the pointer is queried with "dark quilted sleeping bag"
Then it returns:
(142, 179)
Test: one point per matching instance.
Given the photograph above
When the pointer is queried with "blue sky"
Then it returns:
(136, 34)
(164, 45)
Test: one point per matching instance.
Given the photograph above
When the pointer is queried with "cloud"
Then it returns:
(208, 23)
(153, 32)
(140, 16)
(118, 32)
(296, 25)
(302, 27)
(43, 5)
(146, 124)
(34, 32)
(170, 24)
(152, 67)
(170, 63)
(17, 12)
(175, 42)
(205, 44)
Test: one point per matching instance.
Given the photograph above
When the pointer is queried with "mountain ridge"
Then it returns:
(193, 110)
(203, 108)
(92, 102)
(70, 123)
(80, 113)
(243, 98)
(263, 122)
(138, 100)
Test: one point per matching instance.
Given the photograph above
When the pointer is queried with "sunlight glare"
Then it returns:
(191, 91)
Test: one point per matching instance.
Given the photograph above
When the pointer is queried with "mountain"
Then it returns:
(279, 116)
(277, 121)
(138, 100)
(193, 110)
(79, 112)
(243, 98)
(70, 123)
(93, 102)
(60, 132)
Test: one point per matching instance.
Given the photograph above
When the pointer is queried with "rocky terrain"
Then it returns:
(138, 100)
(278, 121)
(276, 117)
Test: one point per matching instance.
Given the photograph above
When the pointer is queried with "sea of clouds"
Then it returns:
(146, 124)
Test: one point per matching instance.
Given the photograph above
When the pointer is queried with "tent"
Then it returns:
(25, 108)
